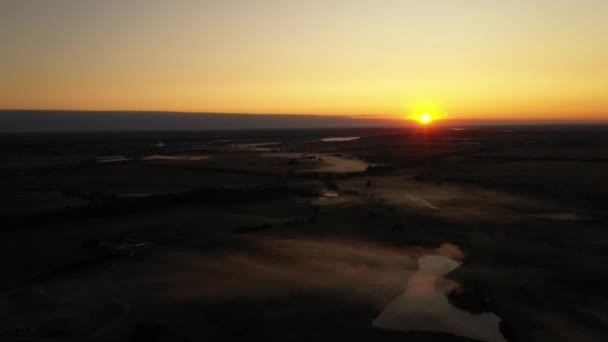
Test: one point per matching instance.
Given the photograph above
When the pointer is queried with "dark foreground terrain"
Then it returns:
(418, 234)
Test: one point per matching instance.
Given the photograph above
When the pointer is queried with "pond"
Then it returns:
(176, 157)
(112, 159)
(339, 139)
(424, 306)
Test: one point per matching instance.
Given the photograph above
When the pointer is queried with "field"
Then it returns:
(305, 235)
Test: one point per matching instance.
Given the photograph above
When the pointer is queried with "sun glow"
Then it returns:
(424, 118)
(426, 111)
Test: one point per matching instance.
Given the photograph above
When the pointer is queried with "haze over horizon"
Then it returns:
(482, 60)
(98, 121)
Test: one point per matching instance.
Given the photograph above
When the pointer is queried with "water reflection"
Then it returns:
(337, 139)
(176, 157)
(256, 147)
(112, 159)
(329, 193)
(424, 306)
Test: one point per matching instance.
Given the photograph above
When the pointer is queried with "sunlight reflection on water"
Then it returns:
(424, 306)
(338, 139)
(176, 157)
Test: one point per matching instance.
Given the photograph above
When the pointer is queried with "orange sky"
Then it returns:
(483, 59)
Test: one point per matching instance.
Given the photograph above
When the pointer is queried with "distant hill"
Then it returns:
(63, 120)
(88, 121)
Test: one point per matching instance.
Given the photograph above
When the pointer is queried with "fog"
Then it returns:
(280, 267)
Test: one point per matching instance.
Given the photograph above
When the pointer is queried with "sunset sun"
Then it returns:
(424, 118)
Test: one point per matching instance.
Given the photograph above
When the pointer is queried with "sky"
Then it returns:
(490, 59)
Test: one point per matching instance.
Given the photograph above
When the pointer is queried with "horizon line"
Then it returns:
(345, 116)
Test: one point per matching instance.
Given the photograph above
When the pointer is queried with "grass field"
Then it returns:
(251, 243)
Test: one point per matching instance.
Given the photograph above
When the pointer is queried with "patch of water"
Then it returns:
(339, 139)
(182, 157)
(257, 147)
(424, 306)
(112, 159)
(329, 193)
(421, 201)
